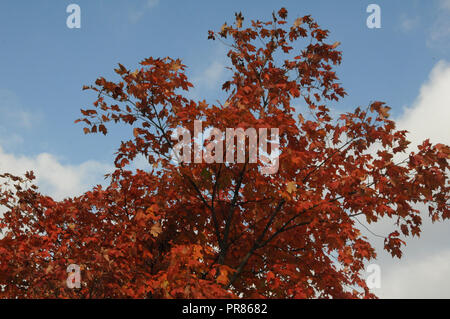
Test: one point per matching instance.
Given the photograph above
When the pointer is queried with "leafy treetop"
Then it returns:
(225, 230)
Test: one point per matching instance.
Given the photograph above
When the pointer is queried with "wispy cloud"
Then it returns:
(13, 113)
(408, 23)
(211, 74)
(445, 4)
(10, 139)
(138, 13)
(439, 34)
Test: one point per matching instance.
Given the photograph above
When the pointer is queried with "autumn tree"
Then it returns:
(226, 229)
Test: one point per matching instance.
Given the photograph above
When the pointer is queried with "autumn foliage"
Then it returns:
(225, 230)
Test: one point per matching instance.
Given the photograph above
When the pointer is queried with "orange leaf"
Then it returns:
(156, 230)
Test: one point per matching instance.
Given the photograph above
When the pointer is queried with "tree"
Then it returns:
(227, 230)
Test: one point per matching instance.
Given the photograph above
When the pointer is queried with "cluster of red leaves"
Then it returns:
(226, 230)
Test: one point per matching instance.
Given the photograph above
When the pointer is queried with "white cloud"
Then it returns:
(424, 270)
(53, 177)
(430, 113)
(420, 278)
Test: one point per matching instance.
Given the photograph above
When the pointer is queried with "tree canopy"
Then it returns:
(226, 229)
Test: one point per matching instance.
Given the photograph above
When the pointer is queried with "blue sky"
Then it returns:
(44, 64)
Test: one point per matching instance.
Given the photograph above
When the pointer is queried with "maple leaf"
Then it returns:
(241, 106)
(223, 30)
(384, 111)
(270, 276)
(239, 19)
(335, 44)
(155, 230)
(223, 277)
(298, 22)
(301, 118)
(48, 269)
(176, 65)
(135, 73)
(291, 187)
(283, 13)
